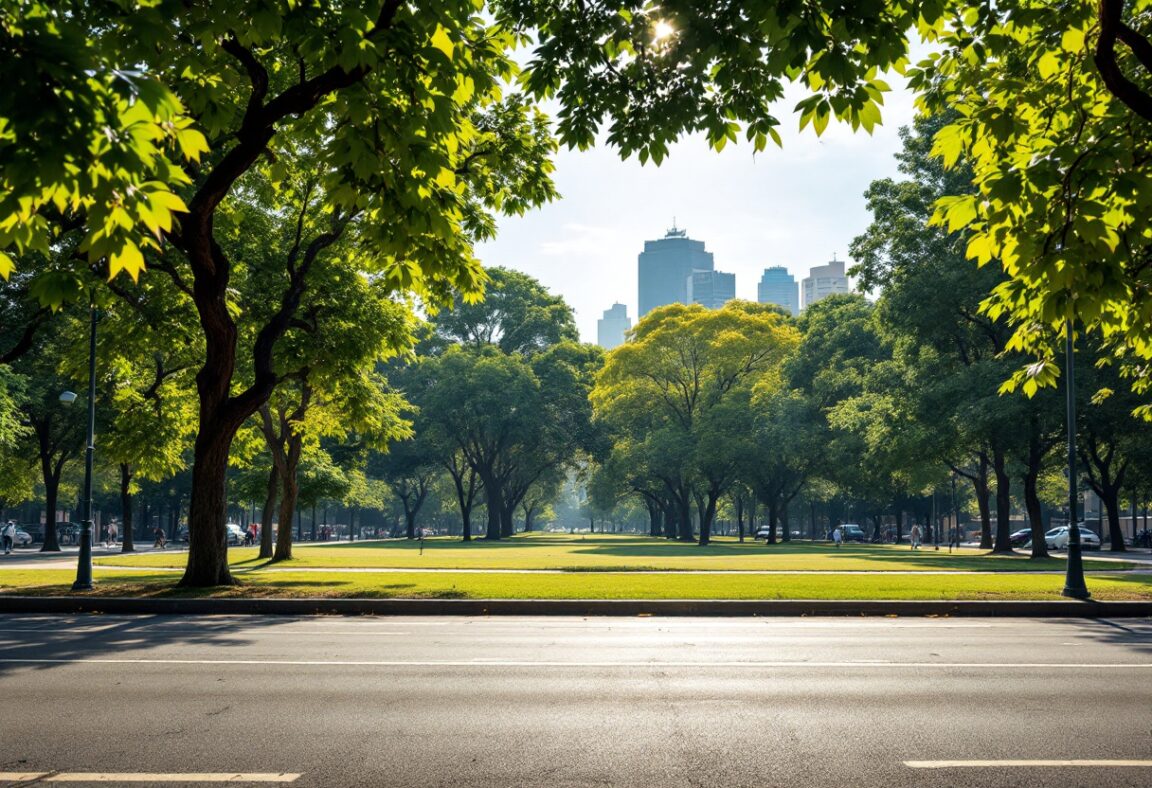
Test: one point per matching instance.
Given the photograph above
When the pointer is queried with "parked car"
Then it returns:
(235, 533)
(1057, 538)
(764, 532)
(23, 538)
(851, 532)
(1021, 537)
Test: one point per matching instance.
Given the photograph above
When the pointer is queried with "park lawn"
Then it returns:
(584, 585)
(611, 552)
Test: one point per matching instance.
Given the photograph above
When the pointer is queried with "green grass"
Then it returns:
(586, 585)
(610, 552)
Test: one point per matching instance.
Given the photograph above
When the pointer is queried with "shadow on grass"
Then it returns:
(926, 559)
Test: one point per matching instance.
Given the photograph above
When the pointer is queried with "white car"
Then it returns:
(23, 538)
(1057, 538)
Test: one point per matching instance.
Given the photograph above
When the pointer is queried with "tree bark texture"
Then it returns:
(266, 513)
(127, 545)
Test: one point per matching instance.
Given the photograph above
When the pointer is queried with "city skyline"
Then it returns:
(794, 206)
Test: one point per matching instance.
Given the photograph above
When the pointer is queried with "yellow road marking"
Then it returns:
(1058, 764)
(149, 777)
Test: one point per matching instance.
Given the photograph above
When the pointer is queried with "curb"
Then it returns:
(574, 607)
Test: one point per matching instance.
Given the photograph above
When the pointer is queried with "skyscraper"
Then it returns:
(712, 289)
(665, 266)
(610, 328)
(779, 287)
(824, 280)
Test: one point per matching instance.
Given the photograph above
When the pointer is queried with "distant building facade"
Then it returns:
(712, 289)
(610, 328)
(779, 287)
(665, 266)
(823, 281)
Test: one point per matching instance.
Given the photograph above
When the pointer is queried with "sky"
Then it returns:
(795, 206)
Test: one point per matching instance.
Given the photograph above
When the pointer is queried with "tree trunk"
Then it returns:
(980, 490)
(507, 520)
(289, 490)
(1003, 504)
(207, 512)
(707, 517)
(1035, 512)
(266, 514)
(495, 504)
(1115, 533)
(655, 524)
(684, 516)
(670, 519)
(126, 544)
(740, 516)
(772, 520)
(51, 493)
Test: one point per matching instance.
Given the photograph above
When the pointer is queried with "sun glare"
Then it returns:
(662, 30)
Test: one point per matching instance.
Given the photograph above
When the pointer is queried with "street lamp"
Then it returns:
(1074, 574)
(84, 563)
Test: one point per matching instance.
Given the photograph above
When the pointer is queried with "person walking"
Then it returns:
(837, 537)
(161, 540)
(112, 531)
(914, 537)
(8, 536)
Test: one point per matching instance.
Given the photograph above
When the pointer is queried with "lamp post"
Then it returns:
(1074, 575)
(84, 563)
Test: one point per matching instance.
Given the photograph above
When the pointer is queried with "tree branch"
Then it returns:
(1112, 28)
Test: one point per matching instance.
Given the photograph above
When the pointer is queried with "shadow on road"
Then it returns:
(70, 638)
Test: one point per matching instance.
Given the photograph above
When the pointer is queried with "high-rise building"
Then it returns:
(610, 328)
(712, 289)
(824, 280)
(664, 268)
(779, 287)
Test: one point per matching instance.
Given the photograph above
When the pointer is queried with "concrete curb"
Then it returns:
(573, 607)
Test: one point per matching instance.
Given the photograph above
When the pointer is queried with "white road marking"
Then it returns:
(1047, 764)
(145, 777)
(519, 663)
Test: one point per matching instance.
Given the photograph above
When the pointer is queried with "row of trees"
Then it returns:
(265, 173)
(879, 401)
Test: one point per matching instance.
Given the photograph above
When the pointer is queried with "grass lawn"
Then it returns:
(610, 552)
(586, 585)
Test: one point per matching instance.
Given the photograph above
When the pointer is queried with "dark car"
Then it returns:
(850, 532)
(1021, 537)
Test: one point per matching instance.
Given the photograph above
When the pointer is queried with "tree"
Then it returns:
(516, 314)
(1110, 441)
(1053, 118)
(55, 432)
(399, 112)
(950, 355)
(409, 468)
(673, 393)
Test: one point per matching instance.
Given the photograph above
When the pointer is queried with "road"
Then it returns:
(575, 702)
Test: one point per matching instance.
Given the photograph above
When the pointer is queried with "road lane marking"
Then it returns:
(1119, 764)
(146, 777)
(481, 662)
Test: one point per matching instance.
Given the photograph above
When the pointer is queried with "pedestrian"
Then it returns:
(161, 540)
(914, 537)
(837, 537)
(8, 536)
(112, 531)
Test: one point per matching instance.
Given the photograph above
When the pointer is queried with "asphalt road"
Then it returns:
(575, 702)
